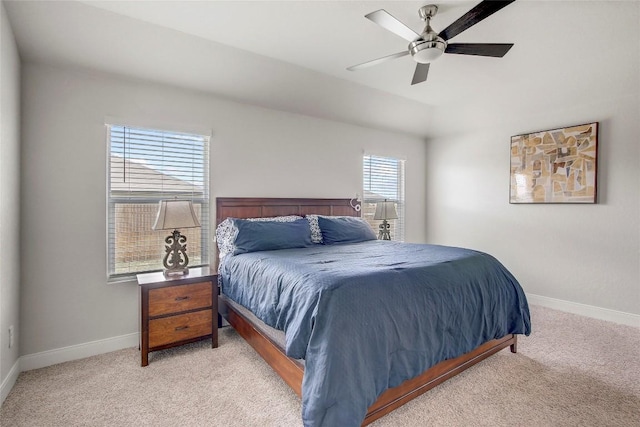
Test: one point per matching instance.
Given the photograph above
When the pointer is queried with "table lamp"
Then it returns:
(172, 215)
(384, 211)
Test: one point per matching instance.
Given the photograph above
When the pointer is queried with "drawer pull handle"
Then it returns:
(181, 328)
(182, 298)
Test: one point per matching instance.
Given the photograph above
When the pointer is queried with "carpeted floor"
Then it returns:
(572, 371)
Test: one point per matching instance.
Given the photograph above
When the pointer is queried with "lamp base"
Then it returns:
(175, 260)
(178, 272)
(385, 233)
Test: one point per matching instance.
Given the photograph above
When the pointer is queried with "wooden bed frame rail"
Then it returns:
(289, 369)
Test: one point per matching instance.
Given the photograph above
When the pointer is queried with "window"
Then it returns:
(144, 167)
(383, 179)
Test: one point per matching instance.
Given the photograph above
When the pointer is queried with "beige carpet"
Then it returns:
(572, 371)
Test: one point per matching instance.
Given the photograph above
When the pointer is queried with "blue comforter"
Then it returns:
(368, 316)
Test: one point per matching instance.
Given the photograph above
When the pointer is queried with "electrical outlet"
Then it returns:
(10, 336)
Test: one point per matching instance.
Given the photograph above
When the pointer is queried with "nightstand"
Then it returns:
(177, 310)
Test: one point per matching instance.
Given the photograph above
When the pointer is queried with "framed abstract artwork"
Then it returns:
(555, 166)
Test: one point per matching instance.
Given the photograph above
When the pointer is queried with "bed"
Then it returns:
(349, 356)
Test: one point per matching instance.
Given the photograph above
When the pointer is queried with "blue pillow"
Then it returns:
(226, 232)
(344, 229)
(270, 235)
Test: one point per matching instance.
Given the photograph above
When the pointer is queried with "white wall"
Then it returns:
(255, 152)
(9, 204)
(572, 254)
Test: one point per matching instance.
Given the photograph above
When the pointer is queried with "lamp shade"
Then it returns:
(386, 210)
(174, 214)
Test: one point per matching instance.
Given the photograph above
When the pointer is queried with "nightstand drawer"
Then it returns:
(172, 329)
(175, 299)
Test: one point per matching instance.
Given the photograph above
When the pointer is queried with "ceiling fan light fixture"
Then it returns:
(427, 51)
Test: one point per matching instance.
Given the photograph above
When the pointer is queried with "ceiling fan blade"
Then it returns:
(497, 50)
(387, 21)
(420, 75)
(478, 13)
(378, 61)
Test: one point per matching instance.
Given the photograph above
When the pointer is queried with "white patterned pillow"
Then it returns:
(286, 218)
(226, 232)
(316, 233)
(225, 236)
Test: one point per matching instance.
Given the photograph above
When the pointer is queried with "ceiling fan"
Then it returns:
(429, 45)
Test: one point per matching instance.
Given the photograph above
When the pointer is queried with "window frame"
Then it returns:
(398, 226)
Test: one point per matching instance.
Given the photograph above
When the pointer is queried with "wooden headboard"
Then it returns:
(252, 207)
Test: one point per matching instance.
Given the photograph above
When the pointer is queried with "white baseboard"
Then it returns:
(620, 317)
(75, 352)
(9, 381)
(65, 354)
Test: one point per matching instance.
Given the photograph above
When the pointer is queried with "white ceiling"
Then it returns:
(292, 55)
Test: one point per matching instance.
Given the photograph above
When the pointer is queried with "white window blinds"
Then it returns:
(383, 179)
(144, 167)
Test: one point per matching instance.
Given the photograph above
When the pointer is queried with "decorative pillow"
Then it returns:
(316, 234)
(344, 229)
(286, 218)
(226, 232)
(225, 236)
(255, 236)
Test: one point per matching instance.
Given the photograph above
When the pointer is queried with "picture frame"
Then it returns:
(555, 166)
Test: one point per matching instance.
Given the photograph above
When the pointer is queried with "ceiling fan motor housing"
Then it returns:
(426, 48)
(429, 46)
